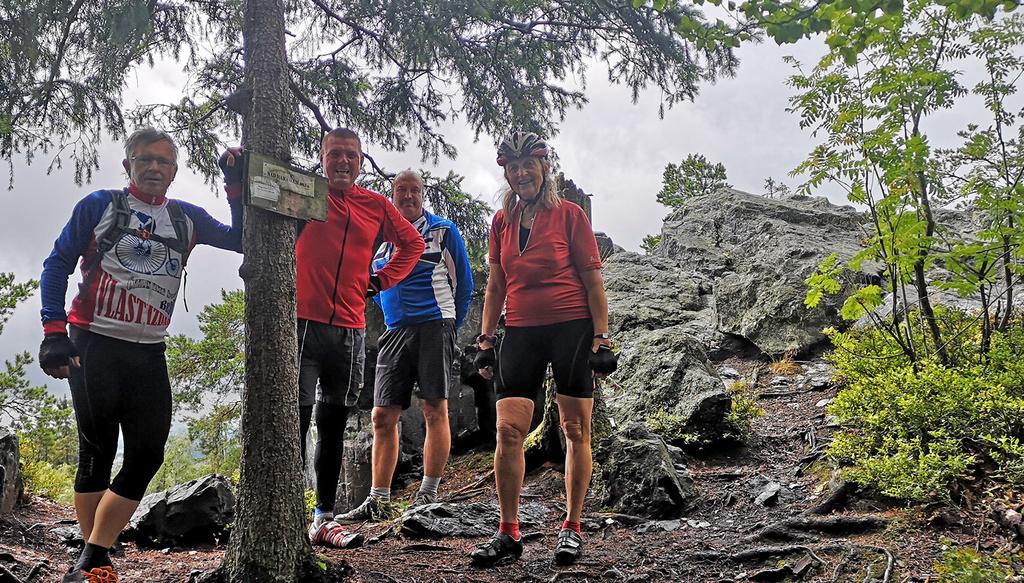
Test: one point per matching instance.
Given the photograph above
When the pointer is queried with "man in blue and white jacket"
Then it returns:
(422, 314)
(133, 244)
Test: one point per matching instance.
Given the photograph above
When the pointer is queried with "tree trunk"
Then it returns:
(920, 280)
(1004, 322)
(268, 543)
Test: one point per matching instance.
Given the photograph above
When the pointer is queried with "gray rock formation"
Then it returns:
(605, 246)
(665, 371)
(196, 511)
(759, 251)
(11, 484)
(639, 477)
(648, 293)
(69, 535)
(445, 519)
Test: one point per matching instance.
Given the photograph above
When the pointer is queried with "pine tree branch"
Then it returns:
(312, 107)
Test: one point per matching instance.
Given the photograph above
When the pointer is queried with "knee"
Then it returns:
(94, 470)
(385, 418)
(435, 414)
(509, 435)
(331, 421)
(575, 432)
(136, 474)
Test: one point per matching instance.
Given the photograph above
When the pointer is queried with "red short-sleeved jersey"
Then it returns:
(543, 282)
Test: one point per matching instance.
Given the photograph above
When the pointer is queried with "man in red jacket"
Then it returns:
(333, 281)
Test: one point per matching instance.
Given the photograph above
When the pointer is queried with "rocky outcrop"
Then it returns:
(639, 476)
(666, 372)
(759, 251)
(196, 511)
(605, 246)
(11, 484)
(648, 293)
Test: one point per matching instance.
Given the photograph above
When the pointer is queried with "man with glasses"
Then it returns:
(133, 244)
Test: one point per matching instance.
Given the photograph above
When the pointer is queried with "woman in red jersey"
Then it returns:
(546, 272)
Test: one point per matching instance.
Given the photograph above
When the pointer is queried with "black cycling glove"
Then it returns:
(485, 358)
(56, 351)
(373, 287)
(604, 361)
(232, 174)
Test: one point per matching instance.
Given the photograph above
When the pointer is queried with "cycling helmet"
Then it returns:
(521, 145)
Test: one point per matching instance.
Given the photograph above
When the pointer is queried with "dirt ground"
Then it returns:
(726, 536)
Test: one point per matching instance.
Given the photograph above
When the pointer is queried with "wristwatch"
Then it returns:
(603, 335)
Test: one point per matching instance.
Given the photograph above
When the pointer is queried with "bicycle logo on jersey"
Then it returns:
(141, 255)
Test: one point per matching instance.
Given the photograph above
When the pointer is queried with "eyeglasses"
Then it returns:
(145, 161)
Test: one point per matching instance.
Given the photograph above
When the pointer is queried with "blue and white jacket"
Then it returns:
(129, 293)
(441, 284)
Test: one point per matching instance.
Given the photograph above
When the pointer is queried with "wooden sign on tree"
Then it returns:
(284, 189)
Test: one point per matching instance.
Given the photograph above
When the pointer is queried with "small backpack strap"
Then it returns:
(122, 218)
(181, 232)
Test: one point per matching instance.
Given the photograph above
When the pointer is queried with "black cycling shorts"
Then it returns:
(332, 357)
(121, 387)
(421, 355)
(525, 352)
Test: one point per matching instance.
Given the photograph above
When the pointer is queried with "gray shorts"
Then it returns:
(333, 358)
(422, 355)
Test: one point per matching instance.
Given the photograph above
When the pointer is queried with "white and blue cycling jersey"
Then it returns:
(129, 293)
(441, 284)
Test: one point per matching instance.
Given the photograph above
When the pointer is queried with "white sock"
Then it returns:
(430, 484)
(382, 493)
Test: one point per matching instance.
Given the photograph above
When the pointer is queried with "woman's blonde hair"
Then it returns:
(547, 197)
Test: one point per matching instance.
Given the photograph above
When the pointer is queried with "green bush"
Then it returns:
(743, 410)
(53, 481)
(48, 445)
(909, 430)
(672, 428)
(965, 565)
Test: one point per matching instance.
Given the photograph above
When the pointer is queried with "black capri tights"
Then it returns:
(120, 385)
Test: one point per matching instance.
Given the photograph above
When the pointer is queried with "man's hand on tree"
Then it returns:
(230, 163)
(57, 355)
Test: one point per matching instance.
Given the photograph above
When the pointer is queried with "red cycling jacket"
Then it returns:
(332, 258)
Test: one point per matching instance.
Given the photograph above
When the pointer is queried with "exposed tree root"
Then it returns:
(314, 571)
(7, 577)
(567, 574)
(797, 528)
(849, 551)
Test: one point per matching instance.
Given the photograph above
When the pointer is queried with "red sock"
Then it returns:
(509, 528)
(573, 525)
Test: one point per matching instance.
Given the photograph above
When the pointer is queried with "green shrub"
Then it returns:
(53, 481)
(909, 430)
(48, 446)
(965, 565)
(671, 427)
(743, 410)
(309, 501)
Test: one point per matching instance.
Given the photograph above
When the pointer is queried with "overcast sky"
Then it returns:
(611, 148)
